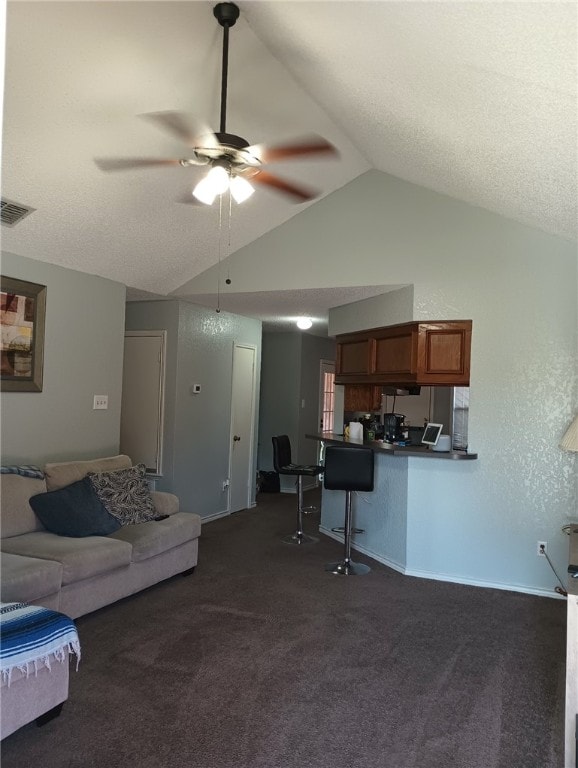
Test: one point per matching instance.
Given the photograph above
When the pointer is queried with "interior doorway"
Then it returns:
(241, 475)
(142, 405)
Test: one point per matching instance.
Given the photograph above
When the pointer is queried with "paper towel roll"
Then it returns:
(355, 430)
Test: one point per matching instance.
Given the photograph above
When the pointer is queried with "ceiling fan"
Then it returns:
(234, 163)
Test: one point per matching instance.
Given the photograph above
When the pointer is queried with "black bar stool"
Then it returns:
(348, 469)
(283, 465)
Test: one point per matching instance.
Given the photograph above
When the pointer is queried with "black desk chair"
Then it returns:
(284, 466)
(348, 469)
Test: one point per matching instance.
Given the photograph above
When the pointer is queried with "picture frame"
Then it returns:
(22, 323)
(431, 434)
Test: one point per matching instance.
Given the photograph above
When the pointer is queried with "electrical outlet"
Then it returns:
(541, 548)
(100, 403)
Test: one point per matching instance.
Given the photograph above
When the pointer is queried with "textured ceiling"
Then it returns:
(474, 100)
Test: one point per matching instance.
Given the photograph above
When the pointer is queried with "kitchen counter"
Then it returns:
(399, 518)
(421, 451)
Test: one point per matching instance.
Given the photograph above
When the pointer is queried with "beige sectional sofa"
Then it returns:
(79, 575)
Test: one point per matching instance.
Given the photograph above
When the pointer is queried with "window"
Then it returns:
(328, 404)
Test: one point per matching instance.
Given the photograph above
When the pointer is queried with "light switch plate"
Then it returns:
(100, 403)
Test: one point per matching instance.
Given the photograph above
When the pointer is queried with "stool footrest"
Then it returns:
(348, 568)
(341, 529)
(300, 538)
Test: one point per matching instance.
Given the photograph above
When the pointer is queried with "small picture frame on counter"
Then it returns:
(431, 434)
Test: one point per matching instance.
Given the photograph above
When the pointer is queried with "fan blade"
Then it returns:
(310, 145)
(189, 199)
(132, 163)
(275, 182)
(184, 127)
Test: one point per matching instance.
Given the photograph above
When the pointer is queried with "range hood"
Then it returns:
(401, 391)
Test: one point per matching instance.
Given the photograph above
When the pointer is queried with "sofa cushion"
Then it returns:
(59, 474)
(80, 558)
(125, 493)
(74, 510)
(165, 503)
(27, 579)
(152, 538)
(17, 514)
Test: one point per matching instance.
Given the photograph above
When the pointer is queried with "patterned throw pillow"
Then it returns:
(125, 494)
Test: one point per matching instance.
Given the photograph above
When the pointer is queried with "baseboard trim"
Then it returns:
(524, 589)
(215, 516)
(365, 551)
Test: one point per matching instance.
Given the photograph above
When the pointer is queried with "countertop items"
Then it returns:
(393, 450)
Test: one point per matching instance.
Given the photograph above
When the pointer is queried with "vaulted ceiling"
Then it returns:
(476, 100)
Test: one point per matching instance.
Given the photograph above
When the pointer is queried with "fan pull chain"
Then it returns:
(218, 309)
(228, 280)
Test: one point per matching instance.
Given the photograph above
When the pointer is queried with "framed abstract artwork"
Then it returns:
(22, 318)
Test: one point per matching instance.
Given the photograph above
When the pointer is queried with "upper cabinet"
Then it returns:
(433, 353)
(362, 397)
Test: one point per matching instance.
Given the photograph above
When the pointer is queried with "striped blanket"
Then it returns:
(31, 636)
(26, 470)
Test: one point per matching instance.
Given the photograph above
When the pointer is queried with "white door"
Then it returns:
(242, 422)
(326, 400)
(141, 418)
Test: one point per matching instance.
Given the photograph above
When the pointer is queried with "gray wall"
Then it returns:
(388, 309)
(477, 523)
(280, 389)
(290, 394)
(314, 349)
(197, 427)
(83, 355)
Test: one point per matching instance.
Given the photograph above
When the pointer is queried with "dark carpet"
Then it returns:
(263, 660)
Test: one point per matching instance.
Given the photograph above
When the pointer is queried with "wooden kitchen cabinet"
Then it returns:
(433, 353)
(362, 397)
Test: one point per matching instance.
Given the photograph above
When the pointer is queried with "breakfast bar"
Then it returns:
(379, 446)
(400, 517)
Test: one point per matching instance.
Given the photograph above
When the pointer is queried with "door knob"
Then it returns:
(236, 438)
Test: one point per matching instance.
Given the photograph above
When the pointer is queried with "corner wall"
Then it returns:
(197, 426)
(203, 421)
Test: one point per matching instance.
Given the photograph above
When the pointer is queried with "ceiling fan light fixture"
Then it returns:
(241, 189)
(214, 183)
(304, 323)
(204, 192)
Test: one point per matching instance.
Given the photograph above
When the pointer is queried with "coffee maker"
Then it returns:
(393, 427)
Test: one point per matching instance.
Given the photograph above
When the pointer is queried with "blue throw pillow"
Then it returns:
(74, 510)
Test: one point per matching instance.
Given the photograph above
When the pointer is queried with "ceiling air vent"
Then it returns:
(12, 213)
